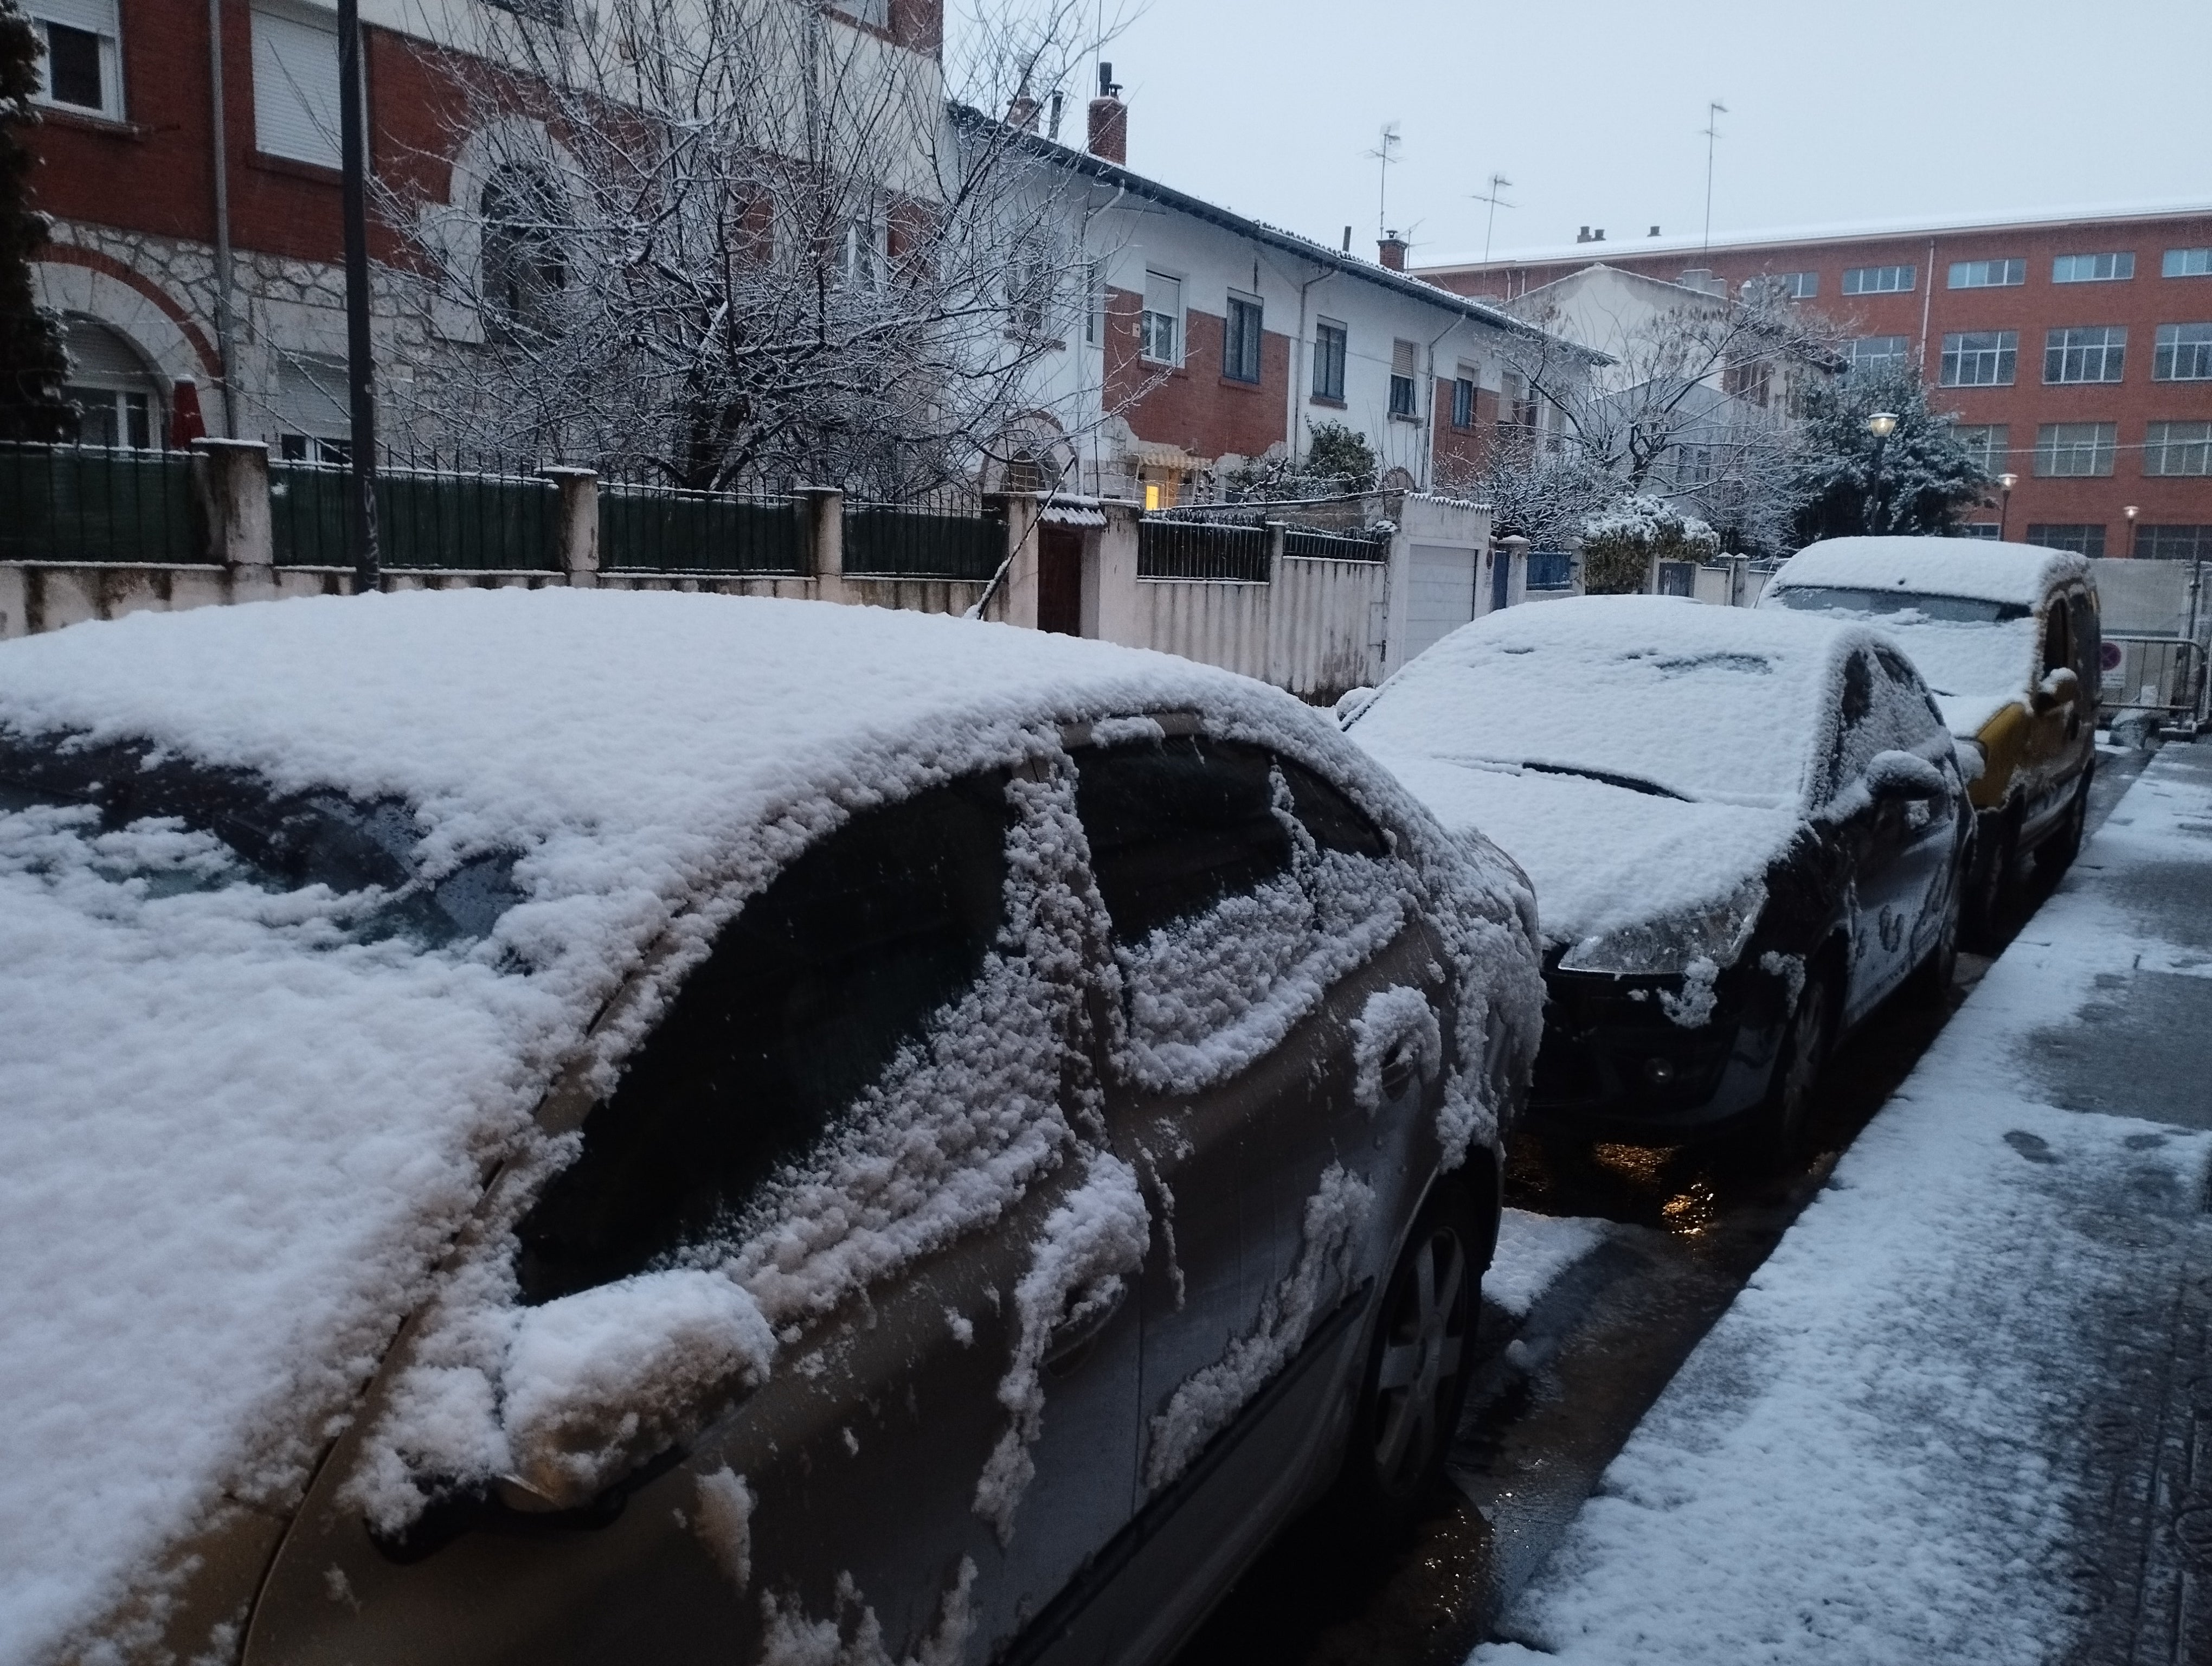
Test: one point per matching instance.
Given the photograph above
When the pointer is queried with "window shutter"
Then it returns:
(1401, 358)
(93, 16)
(295, 89)
(1162, 295)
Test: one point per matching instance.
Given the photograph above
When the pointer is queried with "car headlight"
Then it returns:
(1670, 943)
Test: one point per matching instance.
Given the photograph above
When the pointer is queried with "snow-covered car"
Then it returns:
(1743, 828)
(586, 1126)
(2007, 635)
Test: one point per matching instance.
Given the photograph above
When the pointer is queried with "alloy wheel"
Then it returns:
(1422, 1358)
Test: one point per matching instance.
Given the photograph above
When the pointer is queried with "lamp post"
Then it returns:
(1880, 424)
(2005, 483)
(353, 159)
(2129, 512)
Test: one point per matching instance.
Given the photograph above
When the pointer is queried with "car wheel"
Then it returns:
(1418, 1369)
(1786, 1117)
(1995, 883)
(2057, 854)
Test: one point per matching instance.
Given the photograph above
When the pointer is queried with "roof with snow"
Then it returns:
(2017, 573)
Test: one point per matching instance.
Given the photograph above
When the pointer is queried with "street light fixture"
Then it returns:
(1880, 424)
(2005, 483)
(2129, 512)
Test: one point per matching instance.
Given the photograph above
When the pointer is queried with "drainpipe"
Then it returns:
(1295, 430)
(1927, 299)
(222, 275)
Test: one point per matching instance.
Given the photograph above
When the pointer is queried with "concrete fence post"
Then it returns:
(1018, 604)
(1117, 610)
(825, 535)
(239, 527)
(577, 532)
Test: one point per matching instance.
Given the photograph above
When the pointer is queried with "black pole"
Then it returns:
(353, 155)
(1873, 516)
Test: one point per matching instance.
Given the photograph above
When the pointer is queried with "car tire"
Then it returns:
(1779, 1134)
(2057, 854)
(1995, 884)
(1419, 1363)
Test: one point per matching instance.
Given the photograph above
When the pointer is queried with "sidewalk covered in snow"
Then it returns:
(1965, 1411)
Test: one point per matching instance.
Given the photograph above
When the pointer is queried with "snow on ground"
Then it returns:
(1874, 1456)
(1532, 1251)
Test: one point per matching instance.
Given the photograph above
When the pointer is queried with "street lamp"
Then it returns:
(2005, 483)
(1880, 424)
(2129, 512)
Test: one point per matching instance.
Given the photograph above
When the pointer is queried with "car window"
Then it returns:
(2058, 639)
(2082, 622)
(809, 992)
(1175, 825)
(1884, 708)
(1329, 815)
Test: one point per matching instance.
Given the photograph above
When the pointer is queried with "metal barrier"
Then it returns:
(1335, 546)
(426, 519)
(2159, 674)
(885, 540)
(1211, 550)
(99, 504)
(659, 529)
(1550, 569)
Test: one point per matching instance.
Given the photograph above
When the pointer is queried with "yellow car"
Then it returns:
(2007, 637)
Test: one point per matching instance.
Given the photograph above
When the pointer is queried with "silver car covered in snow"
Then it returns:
(582, 1126)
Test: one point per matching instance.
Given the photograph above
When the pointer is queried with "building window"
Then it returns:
(1980, 358)
(1799, 286)
(523, 267)
(1240, 341)
(1987, 443)
(2186, 263)
(2081, 540)
(2092, 268)
(2094, 353)
(1987, 274)
(117, 400)
(1094, 305)
(1161, 327)
(2066, 450)
(1978, 529)
(1877, 280)
(2173, 542)
(1402, 401)
(2183, 353)
(1875, 355)
(1463, 402)
(878, 12)
(1751, 380)
(1330, 341)
(295, 89)
(80, 67)
(2177, 448)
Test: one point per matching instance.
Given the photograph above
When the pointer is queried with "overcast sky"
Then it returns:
(1876, 110)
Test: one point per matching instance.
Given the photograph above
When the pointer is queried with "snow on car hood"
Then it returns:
(238, 1132)
(1601, 857)
(2022, 574)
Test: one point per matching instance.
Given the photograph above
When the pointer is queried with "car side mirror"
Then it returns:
(1350, 704)
(1905, 776)
(599, 1383)
(2059, 688)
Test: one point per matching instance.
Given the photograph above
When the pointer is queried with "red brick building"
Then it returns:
(2077, 353)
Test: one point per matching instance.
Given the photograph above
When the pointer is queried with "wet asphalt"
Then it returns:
(1556, 1395)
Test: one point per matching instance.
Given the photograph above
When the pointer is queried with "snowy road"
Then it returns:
(1553, 1409)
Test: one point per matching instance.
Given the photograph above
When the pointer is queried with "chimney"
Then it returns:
(1390, 249)
(1654, 231)
(1348, 239)
(1110, 119)
(1022, 112)
(1582, 237)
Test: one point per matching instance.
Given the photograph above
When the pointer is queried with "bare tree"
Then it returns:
(717, 242)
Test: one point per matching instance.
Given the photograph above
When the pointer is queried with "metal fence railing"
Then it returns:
(1212, 550)
(1550, 569)
(1335, 546)
(2162, 674)
(99, 504)
(1678, 578)
(657, 529)
(426, 519)
(953, 541)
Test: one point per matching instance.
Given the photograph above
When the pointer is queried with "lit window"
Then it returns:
(295, 88)
(2183, 353)
(2092, 268)
(2094, 353)
(80, 68)
(1980, 358)
(1162, 326)
(1987, 274)
(2186, 263)
(2177, 448)
(1330, 341)
(1240, 340)
(1877, 280)
(2065, 450)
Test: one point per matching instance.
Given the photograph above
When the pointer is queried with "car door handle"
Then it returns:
(1071, 1337)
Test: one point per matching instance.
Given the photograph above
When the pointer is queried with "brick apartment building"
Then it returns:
(2077, 353)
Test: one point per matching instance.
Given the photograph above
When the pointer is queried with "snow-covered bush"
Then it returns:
(1619, 543)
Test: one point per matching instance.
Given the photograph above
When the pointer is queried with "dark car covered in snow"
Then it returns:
(1746, 829)
(576, 1127)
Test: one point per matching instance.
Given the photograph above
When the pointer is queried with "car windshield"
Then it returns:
(276, 840)
(1960, 644)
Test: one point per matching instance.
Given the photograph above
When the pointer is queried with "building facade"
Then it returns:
(2077, 354)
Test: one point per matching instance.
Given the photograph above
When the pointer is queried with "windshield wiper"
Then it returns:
(1611, 778)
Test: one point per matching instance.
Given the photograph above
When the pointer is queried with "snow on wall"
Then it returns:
(1207, 1402)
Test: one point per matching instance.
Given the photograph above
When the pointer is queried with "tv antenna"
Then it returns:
(1385, 152)
(1497, 182)
(1714, 112)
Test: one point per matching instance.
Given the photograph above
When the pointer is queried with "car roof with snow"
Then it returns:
(1636, 754)
(240, 1128)
(2020, 573)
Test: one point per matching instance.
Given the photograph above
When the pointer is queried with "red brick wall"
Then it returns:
(1194, 405)
(1460, 454)
(2142, 304)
